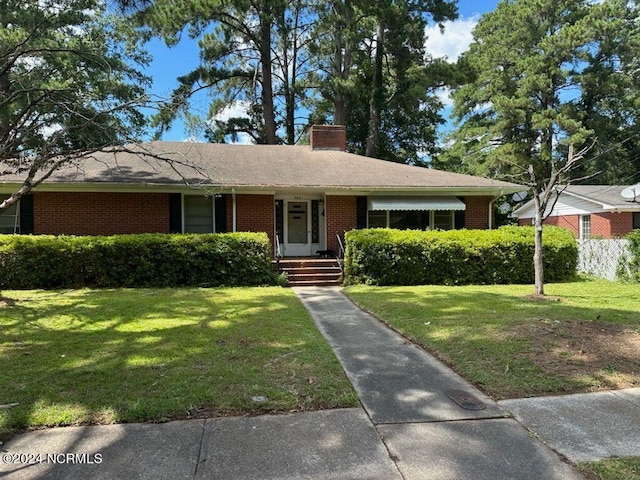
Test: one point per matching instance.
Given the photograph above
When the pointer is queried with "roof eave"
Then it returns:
(328, 189)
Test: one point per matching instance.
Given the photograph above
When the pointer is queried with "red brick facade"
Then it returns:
(614, 224)
(476, 215)
(255, 213)
(570, 222)
(341, 215)
(58, 213)
(120, 213)
(605, 225)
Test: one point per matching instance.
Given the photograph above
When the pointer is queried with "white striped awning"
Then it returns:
(415, 203)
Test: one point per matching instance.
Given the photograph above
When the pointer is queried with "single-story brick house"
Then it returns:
(589, 210)
(306, 195)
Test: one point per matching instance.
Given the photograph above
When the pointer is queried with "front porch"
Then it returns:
(310, 271)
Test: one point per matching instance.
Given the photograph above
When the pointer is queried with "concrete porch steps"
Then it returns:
(305, 272)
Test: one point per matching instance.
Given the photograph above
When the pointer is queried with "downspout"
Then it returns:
(233, 210)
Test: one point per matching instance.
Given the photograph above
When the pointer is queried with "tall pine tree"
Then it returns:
(378, 79)
(522, 113)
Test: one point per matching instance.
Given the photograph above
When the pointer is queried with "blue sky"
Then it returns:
(169, 63)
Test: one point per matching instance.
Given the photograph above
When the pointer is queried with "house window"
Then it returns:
(636, 220)
(10, 218)
(378, 219)
(199, 214)
(412, 219)
(443, 220)
(409, 220)
(585, 227)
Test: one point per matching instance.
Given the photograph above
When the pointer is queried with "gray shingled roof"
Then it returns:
(605, 195)
(263, 166)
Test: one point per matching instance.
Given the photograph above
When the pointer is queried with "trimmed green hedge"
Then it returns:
(456, 257)
(148, 260)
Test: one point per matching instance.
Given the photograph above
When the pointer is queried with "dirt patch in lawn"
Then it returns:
(595, 355)
(6, 302)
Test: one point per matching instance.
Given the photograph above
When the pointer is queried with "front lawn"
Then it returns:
(585, 337)
(613, 469)
(104, 356)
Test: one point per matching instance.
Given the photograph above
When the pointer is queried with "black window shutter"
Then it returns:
(175, 213)
(458, 221)
(26, 214)
(361, 215)
(221, 214)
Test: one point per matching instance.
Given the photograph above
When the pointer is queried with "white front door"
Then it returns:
(297, 228)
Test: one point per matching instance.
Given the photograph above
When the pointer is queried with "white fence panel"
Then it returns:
(601, 257)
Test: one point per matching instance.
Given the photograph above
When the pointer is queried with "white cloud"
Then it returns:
(455, 39)
(244, 139)
(235, 110)
(450, 44)
(49, 130)
(444, 95)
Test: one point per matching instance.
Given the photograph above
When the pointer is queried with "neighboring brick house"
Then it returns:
(590, 211)
(306, 195)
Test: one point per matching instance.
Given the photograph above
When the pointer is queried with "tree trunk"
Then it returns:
(339, 111)
(289, 65)
(267, 85)
(375, 106)
(339, 105)
(5, 125)
(342, 62)
(538, 264)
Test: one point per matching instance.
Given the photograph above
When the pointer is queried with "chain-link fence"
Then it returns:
(602, 257)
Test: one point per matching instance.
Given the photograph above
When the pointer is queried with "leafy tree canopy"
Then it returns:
(545, 80)
(377, 78)
(541, 75)
(294, 63)
(68, 86)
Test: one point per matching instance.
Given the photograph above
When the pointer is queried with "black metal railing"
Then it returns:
(340, 257)
(278, 253)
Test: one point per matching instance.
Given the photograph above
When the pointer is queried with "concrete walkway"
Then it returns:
(410, 428)
(406, 393)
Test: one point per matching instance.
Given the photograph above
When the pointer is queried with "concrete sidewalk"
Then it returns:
(410, 427)
(332, 444)
(584, 427)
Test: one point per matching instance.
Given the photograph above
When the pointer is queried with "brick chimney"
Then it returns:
(328, 137)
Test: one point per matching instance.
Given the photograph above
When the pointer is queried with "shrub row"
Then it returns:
(456, 257)
(629, 268)
(149, 260)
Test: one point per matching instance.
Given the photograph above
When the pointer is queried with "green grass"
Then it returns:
(104, 356)
(613, 469)
(512, 345)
